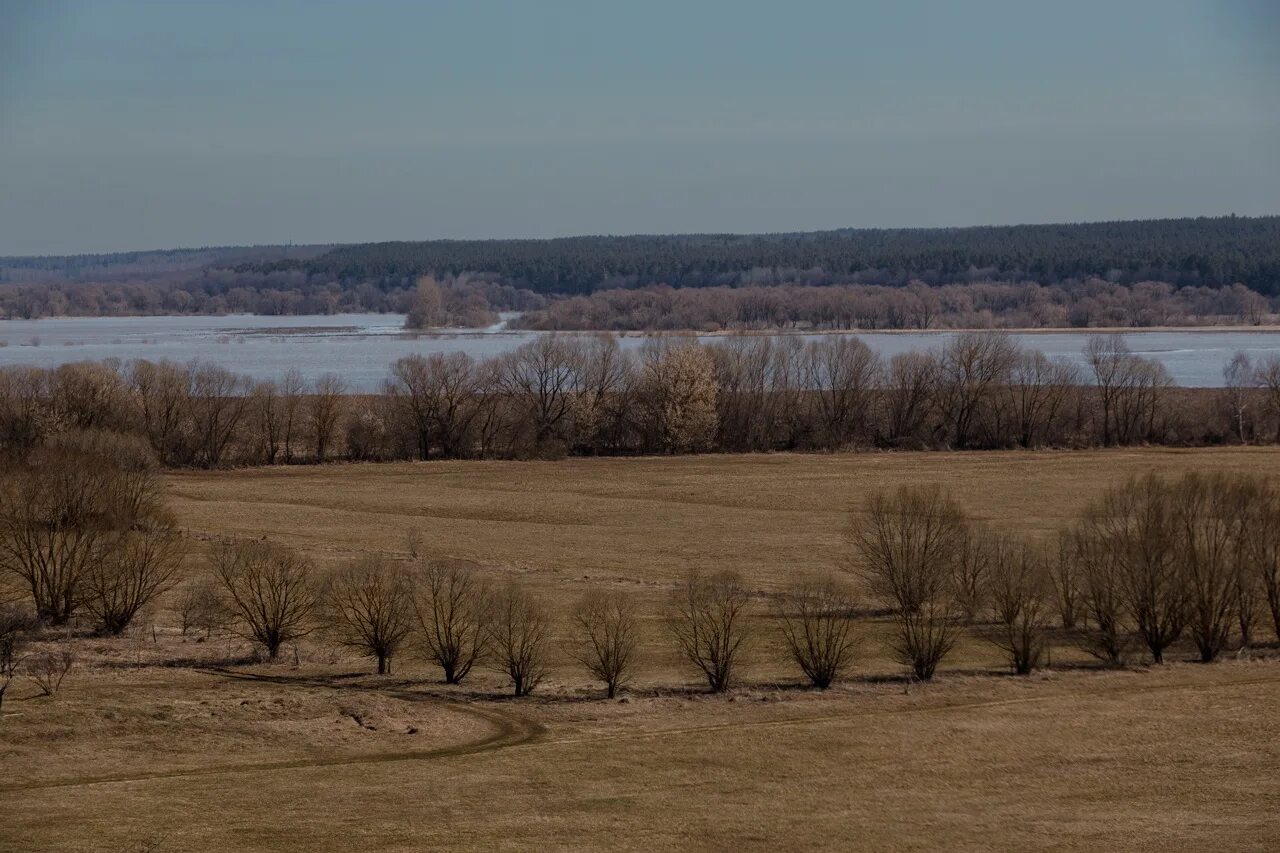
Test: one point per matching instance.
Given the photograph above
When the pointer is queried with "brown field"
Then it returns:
(157, 739)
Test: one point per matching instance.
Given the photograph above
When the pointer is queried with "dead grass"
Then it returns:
(1181, 757)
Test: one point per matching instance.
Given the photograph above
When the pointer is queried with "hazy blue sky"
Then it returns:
(154, 124)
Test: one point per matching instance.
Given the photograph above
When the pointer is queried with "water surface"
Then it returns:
(360, 347)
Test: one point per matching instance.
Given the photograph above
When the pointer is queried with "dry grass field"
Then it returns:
(156, 742)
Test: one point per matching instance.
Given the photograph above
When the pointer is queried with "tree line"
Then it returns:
(559, 395)
(1147, 564)
(1094, 274)
(1217, 251)
(1092, 303)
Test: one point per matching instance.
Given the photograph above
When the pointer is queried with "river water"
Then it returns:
(359, 347)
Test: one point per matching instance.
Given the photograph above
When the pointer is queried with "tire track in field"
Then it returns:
(515, 733)
(509, 730)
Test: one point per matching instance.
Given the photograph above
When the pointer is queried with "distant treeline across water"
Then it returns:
(1138, 273)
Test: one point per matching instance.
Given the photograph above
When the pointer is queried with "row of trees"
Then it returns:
(1148, 563)
(588, 395)
(122, 289)
(983, 305)
(84, 531)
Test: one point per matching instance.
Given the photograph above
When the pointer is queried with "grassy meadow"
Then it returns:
(170, 743)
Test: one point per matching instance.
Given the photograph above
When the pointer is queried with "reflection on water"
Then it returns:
(361, 346)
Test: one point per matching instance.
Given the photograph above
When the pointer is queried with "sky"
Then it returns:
(138, 125)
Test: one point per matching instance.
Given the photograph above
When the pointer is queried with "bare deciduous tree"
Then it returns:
(63, 509)
(49, 669)
(1019, 589)
(1262, 547)
(201, 607)
(1064, 577)
(1207, 511)
(292, 388)
(1102, 596)
(369, 607)
(217, 400)
(1238, 379)
(678, 397)
(969, 569)
(1133, 527)
(15, 623)
(435, 396)
(454, 609)
(270, 592)
(905, 545)
(908, 385)
(519, 633)
(709, 619)
(325, 409)
(606, 634)
(843, 373)
(817, 622)
(141, 564)
(541, 378)
(969, 370)
(266, 410)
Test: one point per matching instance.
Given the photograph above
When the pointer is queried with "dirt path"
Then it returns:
(509, 730)
(514, 732)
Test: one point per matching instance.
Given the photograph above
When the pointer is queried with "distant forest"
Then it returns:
(1114, 273)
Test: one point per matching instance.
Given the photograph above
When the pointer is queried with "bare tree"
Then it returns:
(453, 609)
(269, 589)
(519, 636)
(905, 545)
(1206, 515)
(64, 508)
(141, 564)
(606, 634)
(266, 410)
(1238, 379)
(843, 372)
(817, 621)
(969, 371)
(325, 411)
(908, 389)
(49, 669)
(709, 620)
(161, 393)
(1064, 577)
(1101, 590)
(607, 380)
(368, 606)
(1133, 525)
(542, 378)
(1261, 555)
(426, 306)
(217, 401)
(15, 623)
(436, 397)
(201, 607)
(292, 389)
(1039, 389)
(969, 570)
(678, 394)
(1020, 603)
(1128, 387)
